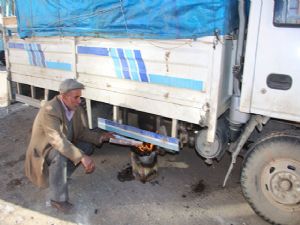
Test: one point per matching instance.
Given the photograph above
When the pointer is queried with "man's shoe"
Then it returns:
(64, 207)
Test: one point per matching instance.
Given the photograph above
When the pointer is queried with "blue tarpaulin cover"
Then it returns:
(148, 19)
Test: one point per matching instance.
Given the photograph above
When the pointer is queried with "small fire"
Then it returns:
(145, 148)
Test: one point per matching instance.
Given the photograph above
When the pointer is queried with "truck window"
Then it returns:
(287, 13)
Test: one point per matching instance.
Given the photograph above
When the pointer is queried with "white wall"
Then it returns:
(3, 89)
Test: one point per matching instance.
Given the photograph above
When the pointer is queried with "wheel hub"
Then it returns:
(281, 179)
(285, 185)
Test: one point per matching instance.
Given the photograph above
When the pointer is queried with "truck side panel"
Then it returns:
(180, 79)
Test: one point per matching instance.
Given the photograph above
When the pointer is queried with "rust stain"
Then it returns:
(167, 56)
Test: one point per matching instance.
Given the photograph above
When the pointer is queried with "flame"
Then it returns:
(145, 147)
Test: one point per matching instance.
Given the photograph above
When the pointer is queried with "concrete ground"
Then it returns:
(186, 191)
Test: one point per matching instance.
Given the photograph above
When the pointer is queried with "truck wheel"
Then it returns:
(270, 179)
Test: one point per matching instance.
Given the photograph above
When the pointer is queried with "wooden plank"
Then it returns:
(152, 91)
(116, 113)
(39, 72)
(32, 91)
(89, 113)
(201, 44)
(59, 57)
(165, 109)
(36, 81)
(74, 63)
(18, 88)
(169, 143)
(174, 128)
(20, 56)
(28, 100)
(216, 86)
(46, 94)
(89, 64)
(10, 21)
(48, 44)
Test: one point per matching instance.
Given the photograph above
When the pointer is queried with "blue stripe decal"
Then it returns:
(176, 82)
(59, 66)
(34, 57)
(93, 50)
(37, 57)
(138, 134)
(137, 130)
(141, 65)
(32, 54)
(42, 56)
(128, 63)
(16, 45)
(115, 57)
(36, 54)
(132, 64)
(26, 47)
(124, 64)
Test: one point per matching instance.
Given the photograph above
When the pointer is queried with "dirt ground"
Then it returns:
(186, 190)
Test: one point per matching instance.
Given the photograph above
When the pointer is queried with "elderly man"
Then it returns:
(54, 150)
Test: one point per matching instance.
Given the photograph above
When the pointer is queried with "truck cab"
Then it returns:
(270, 84)
(271, 76)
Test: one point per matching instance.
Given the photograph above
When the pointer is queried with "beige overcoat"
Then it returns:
(50, 131)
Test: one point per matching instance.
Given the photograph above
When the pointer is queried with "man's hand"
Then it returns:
(105, 137)
(88, 164)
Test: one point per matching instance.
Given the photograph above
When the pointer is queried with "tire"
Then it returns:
(270, 179)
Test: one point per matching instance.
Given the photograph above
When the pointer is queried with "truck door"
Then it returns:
(275, 74)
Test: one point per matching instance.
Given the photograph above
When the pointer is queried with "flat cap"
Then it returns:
(69, 85)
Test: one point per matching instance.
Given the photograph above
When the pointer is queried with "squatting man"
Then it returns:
(60, 141)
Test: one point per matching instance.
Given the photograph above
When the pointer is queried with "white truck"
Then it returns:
(210, 91)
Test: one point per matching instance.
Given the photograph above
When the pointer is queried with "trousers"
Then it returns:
(61, 169)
